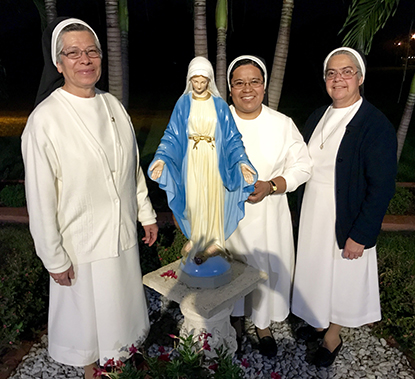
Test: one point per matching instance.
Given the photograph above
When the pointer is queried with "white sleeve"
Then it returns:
(297, 162)
(41, 183)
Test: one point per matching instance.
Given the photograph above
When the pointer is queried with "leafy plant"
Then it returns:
(224, 368)
(13, 196)
(23, 287)
(397, 288)
(11, 161)
(170, 246)
(166, 250)
(403, 202)
(186, 361)
(148, 254)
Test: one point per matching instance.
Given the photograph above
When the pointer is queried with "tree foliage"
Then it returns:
(365, 18)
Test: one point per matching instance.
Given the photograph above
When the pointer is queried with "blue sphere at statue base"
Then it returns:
(214, 272)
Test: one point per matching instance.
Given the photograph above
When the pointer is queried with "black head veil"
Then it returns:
(51, 79)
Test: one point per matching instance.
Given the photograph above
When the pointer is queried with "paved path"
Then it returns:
(390, 222)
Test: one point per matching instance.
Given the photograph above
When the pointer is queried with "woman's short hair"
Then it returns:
(73, 28)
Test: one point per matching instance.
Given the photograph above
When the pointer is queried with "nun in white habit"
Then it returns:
(264, 238)
(353, 147)
(85, 192)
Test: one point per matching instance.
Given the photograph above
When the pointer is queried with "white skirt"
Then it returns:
(327, 287)
(102, 314)
(265, 241)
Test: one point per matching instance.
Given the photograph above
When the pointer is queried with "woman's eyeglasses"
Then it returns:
(346, 73)
(75, 53)
(254, 83)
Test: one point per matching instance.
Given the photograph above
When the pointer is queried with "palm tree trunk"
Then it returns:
(200, 28)
(114, 49)
(51, 13)
(222, 27)
(124, 25)
(406, 118)
(40, 5)
(280, 57)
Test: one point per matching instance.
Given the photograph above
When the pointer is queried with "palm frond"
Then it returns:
(365, 18)
(40, 5)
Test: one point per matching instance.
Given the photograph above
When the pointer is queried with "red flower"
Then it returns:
(244, 363)
(109, 363)
(162, 349)
(213, 367)
(169, 274)
(132, 349)
(275, 375)
(206, 346)
(173, 336)
(119, 364)
(164, 357)
(98, 372)
(204, 336)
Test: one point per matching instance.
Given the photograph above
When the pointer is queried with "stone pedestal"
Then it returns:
(207, 310)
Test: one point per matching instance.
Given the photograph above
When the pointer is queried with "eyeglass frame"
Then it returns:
(244, 83)
(86, 51)
(340, 73)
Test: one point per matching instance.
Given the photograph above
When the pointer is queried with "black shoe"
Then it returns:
(267, 345)
(310, 334)
(325, 358)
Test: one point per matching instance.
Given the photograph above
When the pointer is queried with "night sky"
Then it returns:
(161, 40)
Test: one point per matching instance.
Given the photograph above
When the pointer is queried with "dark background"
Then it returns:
(161, 46)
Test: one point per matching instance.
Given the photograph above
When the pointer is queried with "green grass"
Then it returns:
(23, 287)
(396, 260)
(406, 169)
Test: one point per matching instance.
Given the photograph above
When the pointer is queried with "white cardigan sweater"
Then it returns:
(79, 211)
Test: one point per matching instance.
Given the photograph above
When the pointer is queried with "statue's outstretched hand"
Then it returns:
(157, 169)
(248, 173)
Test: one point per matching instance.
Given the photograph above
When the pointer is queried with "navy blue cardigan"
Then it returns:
(366, 167)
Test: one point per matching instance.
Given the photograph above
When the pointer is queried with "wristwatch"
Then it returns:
(274, 187)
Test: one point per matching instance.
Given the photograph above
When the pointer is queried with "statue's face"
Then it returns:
(200, 85)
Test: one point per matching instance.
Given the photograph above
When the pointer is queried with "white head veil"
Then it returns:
(354, 53)
(201, 66)
(258, 61)
(59, 28)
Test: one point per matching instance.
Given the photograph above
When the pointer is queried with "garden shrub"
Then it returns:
(23, 286)
(402, 202)
(396, 259)
(170, 246)
(13, 196)
(148, 255)
(165, 250)
(11, 161)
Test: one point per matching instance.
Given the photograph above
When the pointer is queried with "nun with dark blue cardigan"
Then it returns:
(353, 148)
